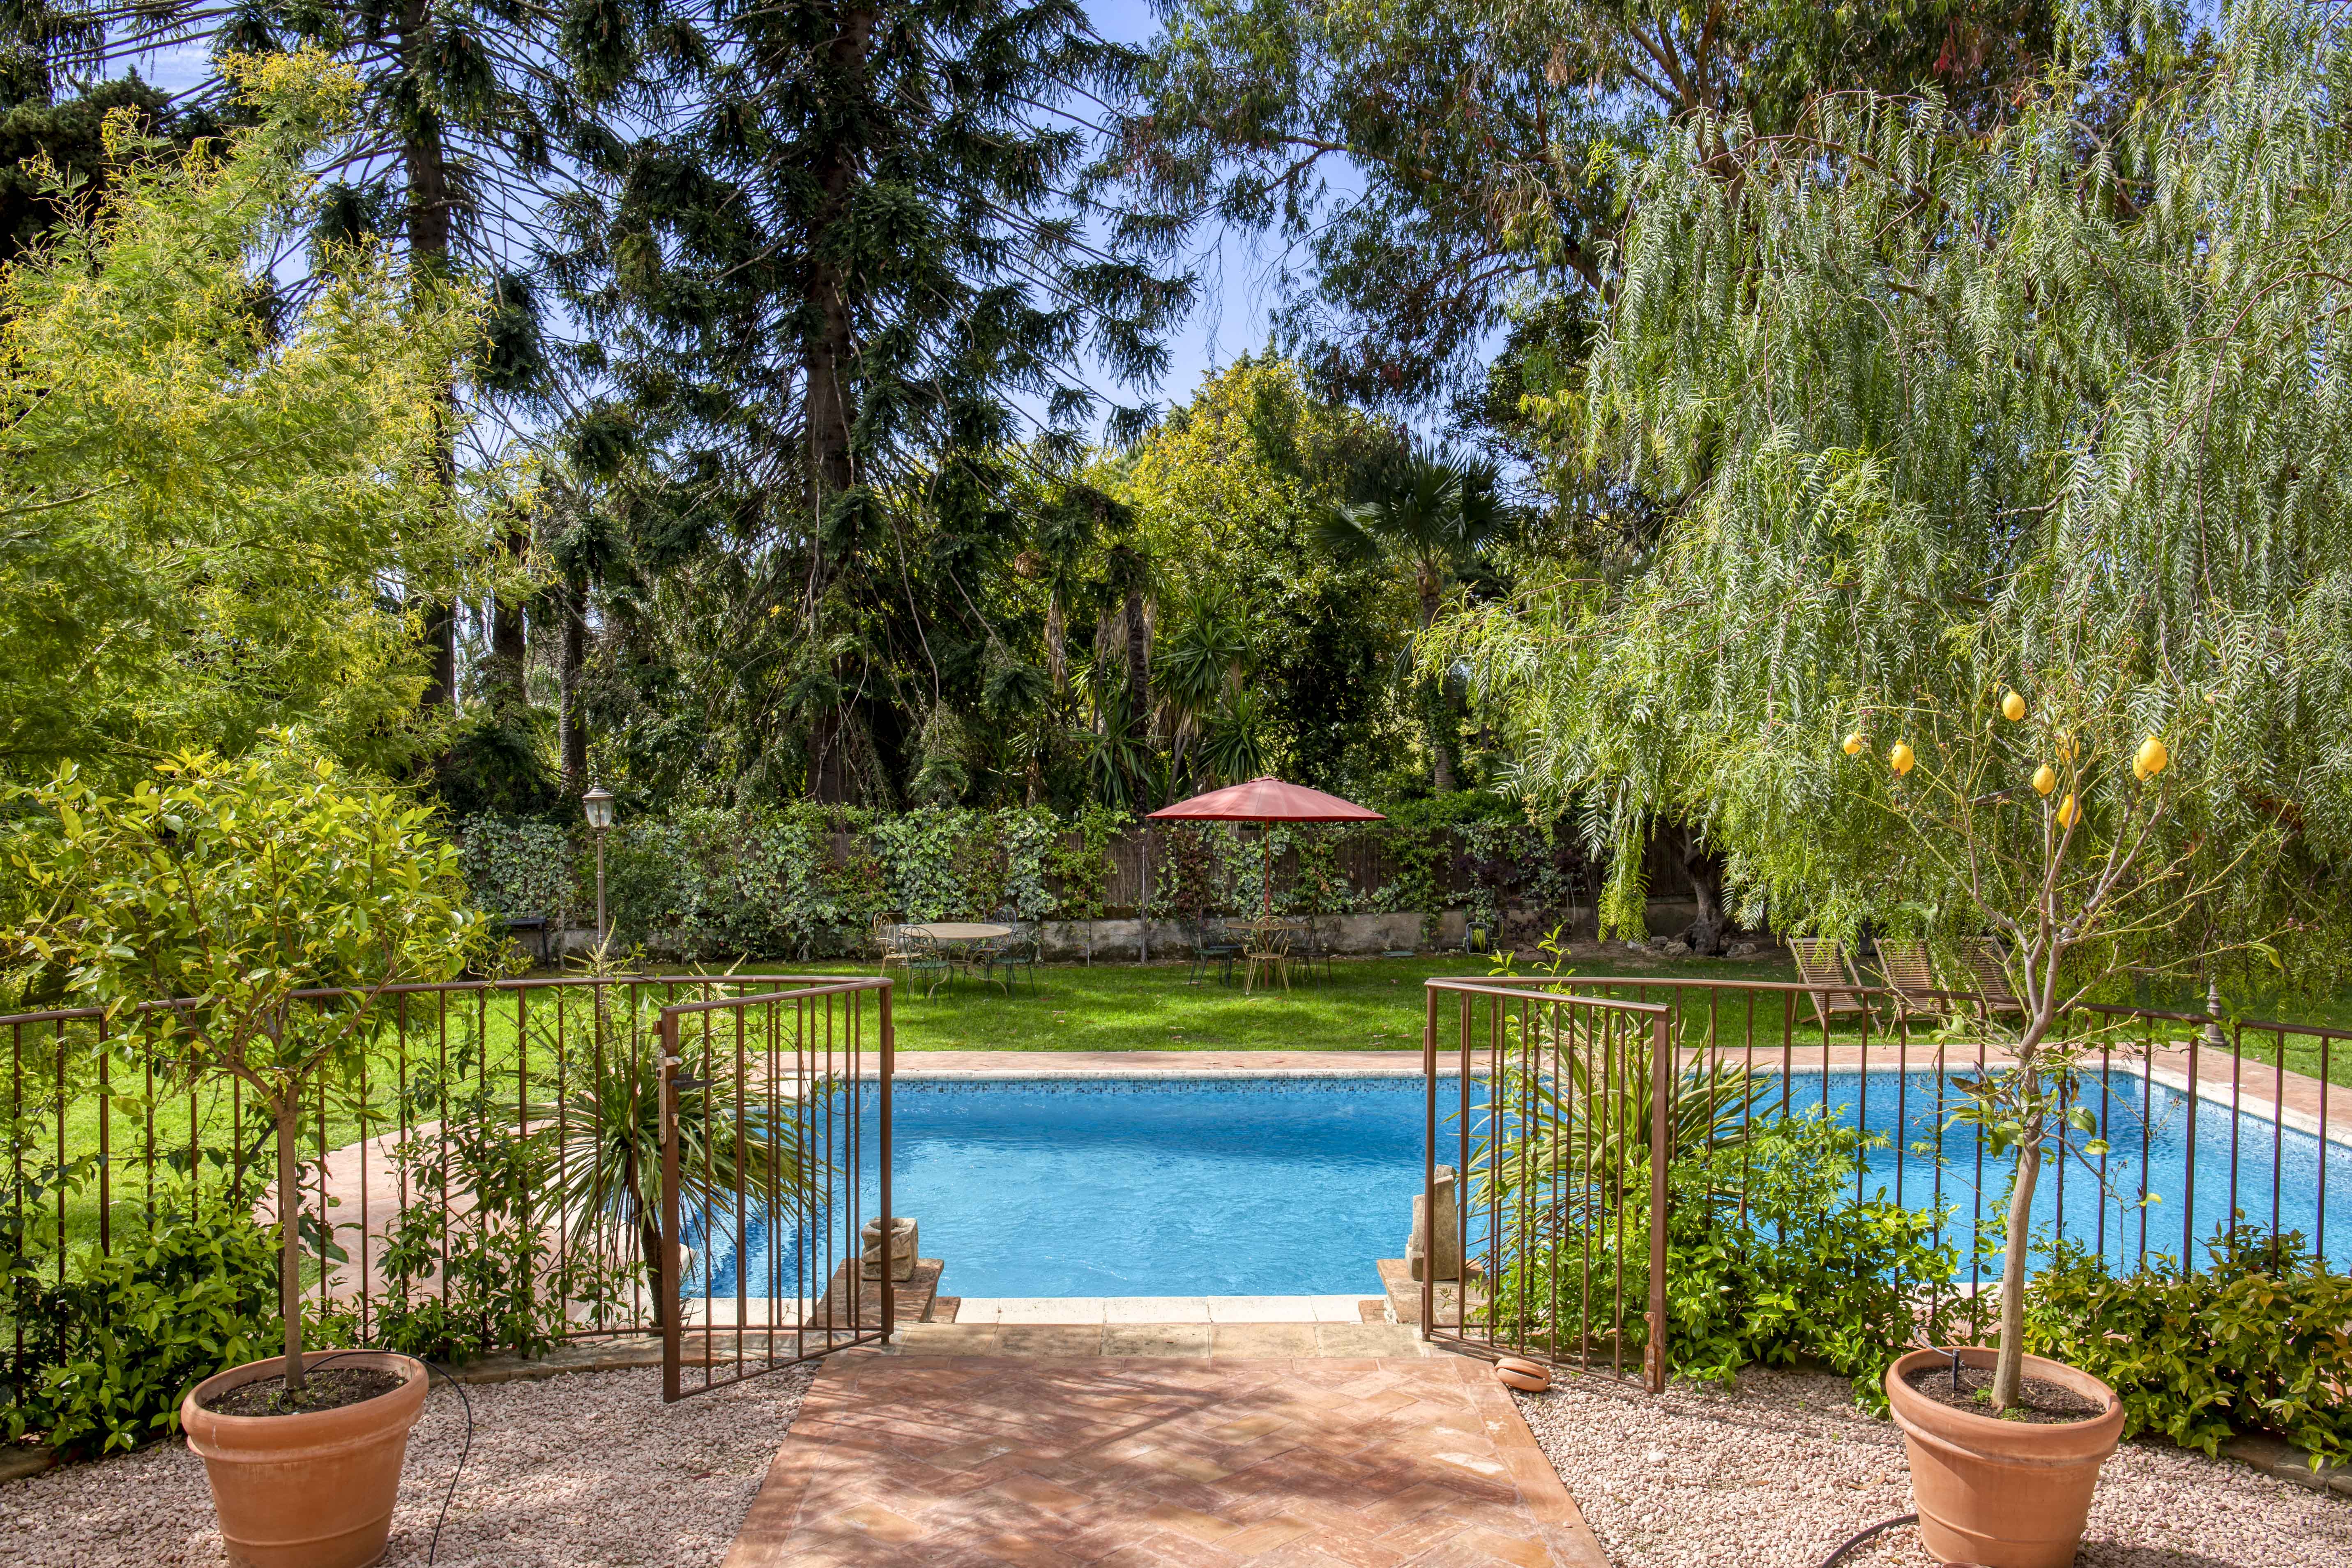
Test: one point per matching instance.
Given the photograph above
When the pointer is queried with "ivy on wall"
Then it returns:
(806, 881)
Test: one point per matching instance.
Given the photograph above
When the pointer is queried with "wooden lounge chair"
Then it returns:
(1911, 977)
(1989, 967)
(1821, 967)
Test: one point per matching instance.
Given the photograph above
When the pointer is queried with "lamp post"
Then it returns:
(598, 804)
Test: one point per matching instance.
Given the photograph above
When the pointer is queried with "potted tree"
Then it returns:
(2053, 825)
(245, 918)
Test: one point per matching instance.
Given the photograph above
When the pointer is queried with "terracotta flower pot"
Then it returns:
(2006, 1494)
(311, 1490)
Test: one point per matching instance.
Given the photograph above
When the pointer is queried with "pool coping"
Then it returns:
(2210, 1088)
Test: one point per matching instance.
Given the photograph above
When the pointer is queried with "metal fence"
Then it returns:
(2204, 1130)
(1541, 1100)
(775, 1108)
(400, 1159)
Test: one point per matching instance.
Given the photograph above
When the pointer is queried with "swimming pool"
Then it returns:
(1268, 1186)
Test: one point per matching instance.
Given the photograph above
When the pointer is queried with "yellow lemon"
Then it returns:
(1853, 745)
(1900, 759)
(2065, 745)
(2012, 707)
(2151, 758)
(2066, 812)
(2045, 779)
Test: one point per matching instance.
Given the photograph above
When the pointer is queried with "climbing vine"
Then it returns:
(807, 881)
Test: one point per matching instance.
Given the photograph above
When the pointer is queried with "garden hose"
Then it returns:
(1883, 1524)
(449, 1493)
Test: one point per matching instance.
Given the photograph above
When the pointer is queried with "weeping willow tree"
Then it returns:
(1999, 458)
(1929, 413)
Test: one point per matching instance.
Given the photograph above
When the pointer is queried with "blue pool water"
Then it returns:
(2095, 1203)
(1293, 1187)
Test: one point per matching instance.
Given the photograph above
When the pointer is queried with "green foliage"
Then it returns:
(1771, 1258)
(207, 489)
(2260, 1340)
(1280, 659)
(1891, 475)
(706, 882)
(521, 867)
(469, 1267)
(806, 881)
(1481, 143)
(595, 1146)
(110, 1350)
(232, 887)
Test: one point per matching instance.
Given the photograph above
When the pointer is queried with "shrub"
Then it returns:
(1771, 1260)
(112, 1350)
(2262, 1339)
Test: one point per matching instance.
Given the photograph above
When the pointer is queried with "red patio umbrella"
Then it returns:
(1265, 800)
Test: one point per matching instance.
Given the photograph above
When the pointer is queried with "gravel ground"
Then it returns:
(585, 1471)
(1779, 1472)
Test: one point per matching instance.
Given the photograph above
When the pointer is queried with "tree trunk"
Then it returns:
(440, 617)
(1057, 636)
(426, 221)
(574, 729)
(290, 1221)
(828, 374)
(2009, 1366)
(1139, 658)
(509, 642)
(1703, 867)
(2009, 1369)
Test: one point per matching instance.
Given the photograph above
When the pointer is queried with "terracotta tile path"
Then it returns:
(950, 1461)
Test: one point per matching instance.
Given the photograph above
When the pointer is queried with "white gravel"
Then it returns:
(1780, 1470)
(586, 1470)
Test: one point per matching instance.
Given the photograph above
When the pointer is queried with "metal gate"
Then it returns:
(775, 1154)
(1553, 1111)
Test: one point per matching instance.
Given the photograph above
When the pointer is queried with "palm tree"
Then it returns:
(1198, 668)
(737, 1137)
(1438, 512)
(603, 1134)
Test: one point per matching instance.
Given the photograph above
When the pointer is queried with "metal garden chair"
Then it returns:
(928, 962)
(1266, 949)
(1017, 954)
(888, 938)
(1212, 943)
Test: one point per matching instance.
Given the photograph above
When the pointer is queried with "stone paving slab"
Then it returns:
(978, 1461)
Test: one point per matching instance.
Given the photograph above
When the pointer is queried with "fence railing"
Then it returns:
(2197, 1134)
(1549, 1095)
(1550, 1105)
(501, 1134)
(775, 1114)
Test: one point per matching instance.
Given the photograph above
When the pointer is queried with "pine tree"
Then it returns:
(849, 280)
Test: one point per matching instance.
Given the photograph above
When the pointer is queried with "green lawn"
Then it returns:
(1365, 1005)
